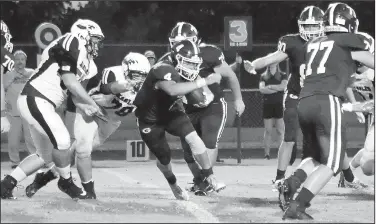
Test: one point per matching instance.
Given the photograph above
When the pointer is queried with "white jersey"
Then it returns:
(118, 105)
(364, 86)
(67, 54)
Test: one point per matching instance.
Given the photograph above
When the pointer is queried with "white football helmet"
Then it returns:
(90, 33)
(136, 67)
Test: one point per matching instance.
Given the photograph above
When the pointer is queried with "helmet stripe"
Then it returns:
(331, 11)
(180, 27)
(310, 12)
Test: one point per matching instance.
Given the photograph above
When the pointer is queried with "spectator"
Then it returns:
(14, 82)
(272, 84)
(151, 57)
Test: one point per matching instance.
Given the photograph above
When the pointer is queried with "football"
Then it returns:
(200, 97)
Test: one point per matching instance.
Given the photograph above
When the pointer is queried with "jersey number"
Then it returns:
(306, 69)
(9, 63)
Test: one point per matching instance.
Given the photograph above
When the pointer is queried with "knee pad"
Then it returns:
(63, 142)
(195, 143)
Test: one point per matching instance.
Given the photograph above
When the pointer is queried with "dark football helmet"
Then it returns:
(339, 17)
(186, 59)
(311, 22)
(183, 31)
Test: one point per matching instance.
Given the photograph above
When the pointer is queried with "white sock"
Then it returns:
(64, 172)
(18, 174)
(87, 181)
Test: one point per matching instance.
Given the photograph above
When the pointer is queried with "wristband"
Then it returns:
(200, 83)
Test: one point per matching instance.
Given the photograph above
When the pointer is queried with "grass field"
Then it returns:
(137, 192)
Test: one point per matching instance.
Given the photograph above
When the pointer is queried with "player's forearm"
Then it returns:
(277, 88)
(234, 66)
(350, 95)
(77, 89)
(179, 89)
(265, 90)
(115, 87)
(366, 106)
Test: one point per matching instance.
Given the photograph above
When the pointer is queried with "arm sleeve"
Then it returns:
(355, 42)
(286, 44)
(67, 54)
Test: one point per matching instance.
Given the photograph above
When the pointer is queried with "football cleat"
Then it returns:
(89, 188)
(295, 211)
(67, 186)
(179, 193)
(214, 184)
(356, 184)
(40, 180)
(7, 186)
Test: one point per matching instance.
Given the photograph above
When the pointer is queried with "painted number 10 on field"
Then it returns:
(238, 33)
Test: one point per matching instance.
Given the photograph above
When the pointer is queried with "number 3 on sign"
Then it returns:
(306, 69)
(242, 33)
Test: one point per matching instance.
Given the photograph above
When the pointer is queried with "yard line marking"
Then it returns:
(201, 214)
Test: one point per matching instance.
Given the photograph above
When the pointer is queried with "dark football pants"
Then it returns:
(209, 123)
(320, 119)
(154, 136)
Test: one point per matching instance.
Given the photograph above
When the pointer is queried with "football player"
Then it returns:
(125, 80)
(364, 85)
(208, 119)
(160, 109)
(290, 46)
(65, 62)
(329, 63)
(7, 63)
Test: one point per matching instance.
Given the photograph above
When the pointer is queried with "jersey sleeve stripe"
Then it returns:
(105, 76)
(67, 42)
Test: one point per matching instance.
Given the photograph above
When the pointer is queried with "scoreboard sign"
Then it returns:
(238, 33)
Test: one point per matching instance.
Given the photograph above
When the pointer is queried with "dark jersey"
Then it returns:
(7, 60)
(153, 105)
(292, 45)
(329, 65)
(212, 57)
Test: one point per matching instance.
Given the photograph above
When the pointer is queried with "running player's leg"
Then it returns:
(45, 117)
(330, 134)
(212, 123)
(285, 152)
(181, 126)
(154, 137)
(367, 162)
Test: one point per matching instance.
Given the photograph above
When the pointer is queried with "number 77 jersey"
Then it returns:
(328, 65)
